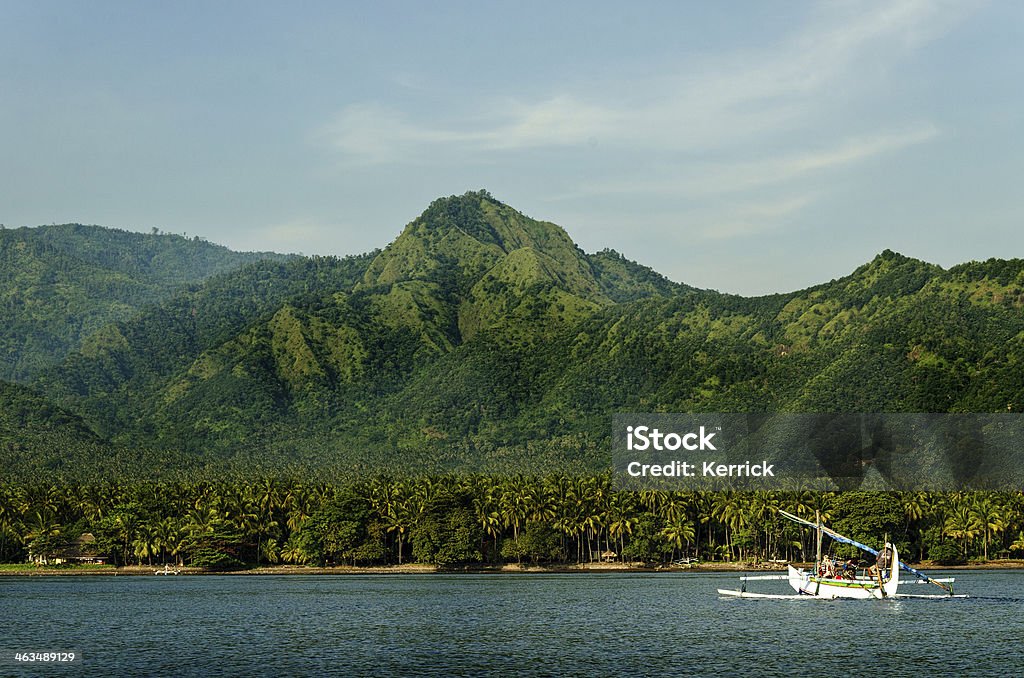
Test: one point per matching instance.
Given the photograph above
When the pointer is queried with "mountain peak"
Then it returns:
(489, 261)
(480, 216)
(888, 255)
(887, 275)
(462, 237)
(467, 212)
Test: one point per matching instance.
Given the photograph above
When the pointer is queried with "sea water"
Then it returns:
(502, 624)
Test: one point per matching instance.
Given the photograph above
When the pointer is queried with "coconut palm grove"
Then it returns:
(458, 521)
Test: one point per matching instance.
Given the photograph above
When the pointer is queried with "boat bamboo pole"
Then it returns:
(817, 558)
(817, 562)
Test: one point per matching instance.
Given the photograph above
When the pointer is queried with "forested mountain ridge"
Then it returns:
(61, 283)
(481, 336)
(331, 339)
(896, 335)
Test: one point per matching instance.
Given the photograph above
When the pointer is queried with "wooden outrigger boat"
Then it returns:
(832, 579)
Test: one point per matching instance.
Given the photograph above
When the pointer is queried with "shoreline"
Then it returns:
(419, 569)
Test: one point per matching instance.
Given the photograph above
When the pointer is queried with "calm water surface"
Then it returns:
(572, 624)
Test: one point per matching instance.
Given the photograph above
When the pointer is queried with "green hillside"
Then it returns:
(48, 439)
(482, 338)
(896, 335)
(123, 368)
(61, 283)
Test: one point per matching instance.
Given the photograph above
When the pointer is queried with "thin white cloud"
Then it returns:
(696, 180)
(851, 150)
(558, 121)
(375, 133)
(721, 101)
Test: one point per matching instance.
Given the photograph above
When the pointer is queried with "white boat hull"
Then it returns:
(809, 584)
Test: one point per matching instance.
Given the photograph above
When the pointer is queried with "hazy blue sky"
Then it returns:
(748, 147)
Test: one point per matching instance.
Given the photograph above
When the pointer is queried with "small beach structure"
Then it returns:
(81, 549)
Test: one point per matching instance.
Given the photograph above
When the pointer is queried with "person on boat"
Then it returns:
(882, 562)
(849, 569)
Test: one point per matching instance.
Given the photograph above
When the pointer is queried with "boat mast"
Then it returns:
(817, 561)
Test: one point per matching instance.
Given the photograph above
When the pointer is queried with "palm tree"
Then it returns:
(763, 510)
(704, 504)
(10, 518)
(961, 525)
(1018, 544)
(986, 513)
(266, 528)
(731, 512)
(294, 553)
(940, 510)
(916, 507)
(678, 532)
(93, 501)
(674, 506)
(267, 496)
(168, 536)
(146, 543)
(271, 550)
(569, 521)
(40, 526)
(203, 521)
(514, 504)
(485, 506)
(397, 520)
(298, 504)
(621, 520)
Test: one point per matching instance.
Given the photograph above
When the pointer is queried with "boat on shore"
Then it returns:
(832, 578)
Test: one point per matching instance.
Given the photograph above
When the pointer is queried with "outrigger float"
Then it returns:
(832, 579)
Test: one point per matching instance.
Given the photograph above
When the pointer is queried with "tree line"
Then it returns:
(452, 521)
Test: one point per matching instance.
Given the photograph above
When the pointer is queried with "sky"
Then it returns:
(749, 147)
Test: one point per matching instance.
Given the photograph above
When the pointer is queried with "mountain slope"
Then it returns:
(483, 337)
(121, 367)
(59, 284)
(38, 437)
(896, 335)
